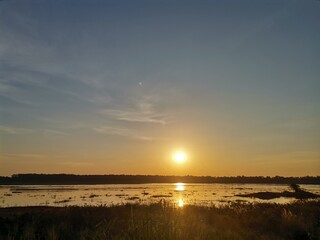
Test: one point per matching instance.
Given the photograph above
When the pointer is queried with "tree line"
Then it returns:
(25, 179)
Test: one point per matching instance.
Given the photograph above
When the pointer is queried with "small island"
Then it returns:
(297, 193)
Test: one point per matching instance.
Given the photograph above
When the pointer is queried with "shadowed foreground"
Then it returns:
(300, 220)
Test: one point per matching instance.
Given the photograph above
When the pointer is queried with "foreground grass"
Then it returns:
(300, 220)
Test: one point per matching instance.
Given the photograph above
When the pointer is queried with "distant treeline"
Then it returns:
(134, 179)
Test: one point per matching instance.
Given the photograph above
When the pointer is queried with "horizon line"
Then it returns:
(159, 175)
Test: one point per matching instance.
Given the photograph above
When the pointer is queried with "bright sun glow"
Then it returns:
(179, 156)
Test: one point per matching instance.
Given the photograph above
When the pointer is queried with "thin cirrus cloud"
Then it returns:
(143, 112)
(35, 79)
(19, 131)
(124, 132)
(135, 116)
(14, 130)
(54, 132)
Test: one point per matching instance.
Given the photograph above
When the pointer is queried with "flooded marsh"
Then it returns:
(178, 194)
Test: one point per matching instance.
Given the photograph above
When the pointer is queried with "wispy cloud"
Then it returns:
(14, 130)
(122, 132)
(99, 100)
(10, 92)
(146, 109)
(17, 131)
(134, 116)
(144, 112)
(54, 132)
(20, 78)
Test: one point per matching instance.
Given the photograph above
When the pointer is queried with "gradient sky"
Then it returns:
(99, 87)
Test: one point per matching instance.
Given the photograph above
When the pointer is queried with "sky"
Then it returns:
(116, 86)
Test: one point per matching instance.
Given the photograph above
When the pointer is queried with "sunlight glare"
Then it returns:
(179, 156)
(179, 186)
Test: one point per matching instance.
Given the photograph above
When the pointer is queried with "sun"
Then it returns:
(179, 156)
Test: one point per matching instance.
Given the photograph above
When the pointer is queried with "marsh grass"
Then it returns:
(164, 221)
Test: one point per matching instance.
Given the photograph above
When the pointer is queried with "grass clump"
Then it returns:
(163, 221)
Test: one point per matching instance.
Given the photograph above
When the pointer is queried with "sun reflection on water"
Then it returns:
(179, 186)
(180, 203)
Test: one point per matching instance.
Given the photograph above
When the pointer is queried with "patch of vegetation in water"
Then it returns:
(121, 195)
(297, 193)
(133, 198)
(63, 201)
(161, 196)
(93, 195)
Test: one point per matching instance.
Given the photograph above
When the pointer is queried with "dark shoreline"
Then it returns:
(70, 179)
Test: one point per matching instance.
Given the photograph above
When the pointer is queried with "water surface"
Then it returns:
(179, 194)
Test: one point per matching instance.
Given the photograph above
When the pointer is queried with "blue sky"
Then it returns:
(115, 86)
